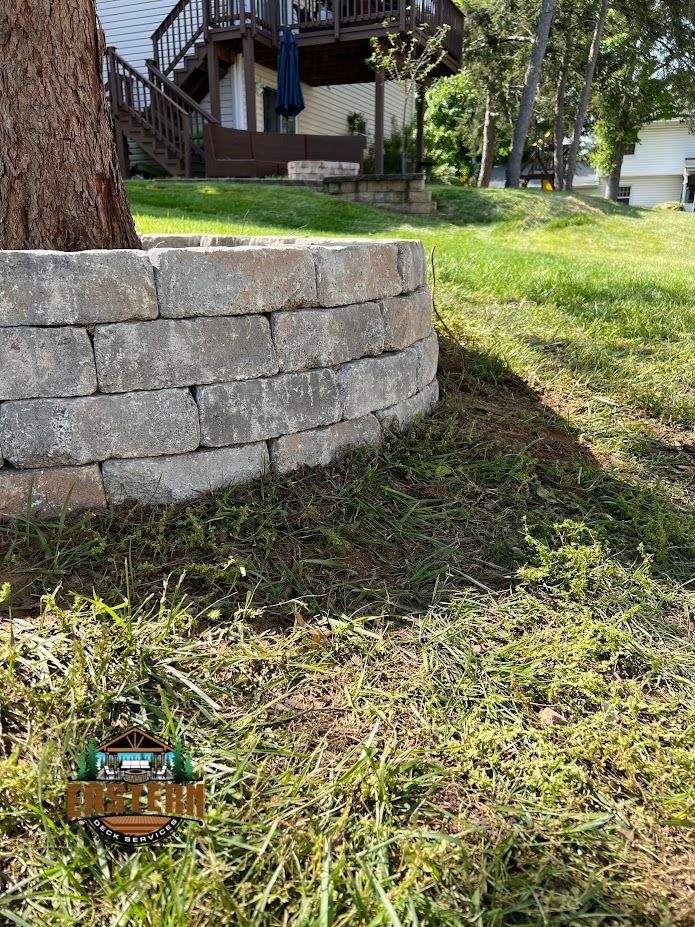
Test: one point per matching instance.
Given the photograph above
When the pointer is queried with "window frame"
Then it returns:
(284, 125)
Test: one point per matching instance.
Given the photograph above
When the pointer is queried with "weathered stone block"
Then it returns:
(47, 432)
(182, 352)
(309, 338)
(353, 273)
(412, 264)
(232, 281)
(36, 362)
(237, 413)
(161, 480)
(183, 240)
(246, 241)
(81, 287)
(50, 491)
(421, 209)
(321, 446)
(377, 382)
(403, 413)
(406, 319)
(427, 352)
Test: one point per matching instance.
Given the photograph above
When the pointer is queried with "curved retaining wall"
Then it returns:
(201, 361)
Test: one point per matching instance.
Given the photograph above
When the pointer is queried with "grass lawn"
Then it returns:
(446, 682)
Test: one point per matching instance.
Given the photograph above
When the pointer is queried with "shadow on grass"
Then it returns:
(457, 503)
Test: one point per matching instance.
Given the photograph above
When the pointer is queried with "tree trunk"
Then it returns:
(583, 107)
(613, 181)
(487, 158)
(528, 94)
(559, 129)
(60, 184)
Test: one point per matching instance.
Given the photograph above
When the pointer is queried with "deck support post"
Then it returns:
(379, 122)
(249, 81)
(214, 81)
(420, 123)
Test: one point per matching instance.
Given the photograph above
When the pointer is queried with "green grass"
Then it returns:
(360, 657)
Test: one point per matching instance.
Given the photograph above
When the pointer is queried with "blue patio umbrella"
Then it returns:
(290, 101)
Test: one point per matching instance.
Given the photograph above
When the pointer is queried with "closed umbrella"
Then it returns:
(290, 101)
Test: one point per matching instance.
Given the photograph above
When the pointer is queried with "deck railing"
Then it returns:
(179, 32)
(150, 107)
(190, 20)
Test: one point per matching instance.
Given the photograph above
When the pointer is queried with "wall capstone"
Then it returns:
(202, 362)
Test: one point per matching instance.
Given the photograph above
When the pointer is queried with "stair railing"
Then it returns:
(149, 107)
(183, 27)
(199, 116)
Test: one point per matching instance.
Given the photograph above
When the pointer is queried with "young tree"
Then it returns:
(528, 94)
(583, 107)
(409, 62)
(60, 185)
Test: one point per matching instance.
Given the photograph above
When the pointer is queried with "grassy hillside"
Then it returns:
(449, 681)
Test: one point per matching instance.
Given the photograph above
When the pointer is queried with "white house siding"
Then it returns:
(129, 24)
(660, 152)
(231, 103)
(327, 108)
(648, 191)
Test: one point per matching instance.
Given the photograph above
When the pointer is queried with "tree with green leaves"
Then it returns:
(645, 72)
(408, 60)
(450, 124)
(498, 35)
(528, 93)
(585, 95)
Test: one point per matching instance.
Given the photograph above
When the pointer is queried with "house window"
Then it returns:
(272, 122)
(624, 195)
(629, 149)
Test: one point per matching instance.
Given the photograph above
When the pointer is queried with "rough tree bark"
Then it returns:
(613, 180)
(487, 158)
(583, 107)
(528, 94)
(60, 184)
(559, 128)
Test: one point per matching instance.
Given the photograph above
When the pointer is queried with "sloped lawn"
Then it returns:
(446, 682)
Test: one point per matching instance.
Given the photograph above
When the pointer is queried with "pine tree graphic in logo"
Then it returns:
(135, 789)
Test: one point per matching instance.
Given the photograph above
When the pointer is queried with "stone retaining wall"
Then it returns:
(397, 192)
(203, 361)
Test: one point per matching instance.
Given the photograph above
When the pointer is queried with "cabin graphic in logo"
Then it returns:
(135, 789)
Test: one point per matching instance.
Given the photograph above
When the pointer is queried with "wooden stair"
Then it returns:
(157, 116)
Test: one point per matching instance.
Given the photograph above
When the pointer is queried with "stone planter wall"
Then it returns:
(154, 376)
(397, 192)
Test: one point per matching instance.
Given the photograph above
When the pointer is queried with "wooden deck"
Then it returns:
(334, 34)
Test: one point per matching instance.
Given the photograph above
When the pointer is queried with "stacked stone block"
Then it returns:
(397, 192)
(201, 362)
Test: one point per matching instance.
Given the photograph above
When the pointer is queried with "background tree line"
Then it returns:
(565, 69)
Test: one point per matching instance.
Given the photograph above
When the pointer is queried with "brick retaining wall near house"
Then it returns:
(203, 361)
